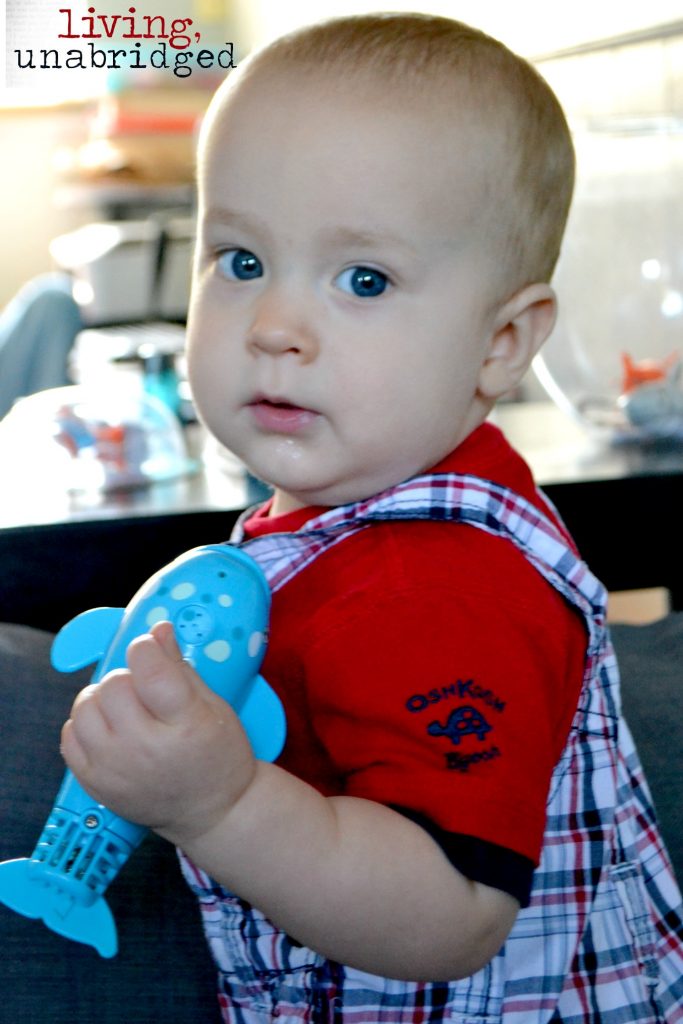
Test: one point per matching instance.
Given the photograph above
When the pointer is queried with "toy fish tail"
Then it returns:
(23, 892)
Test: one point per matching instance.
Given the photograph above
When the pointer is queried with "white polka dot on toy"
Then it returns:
(158, 614)
(224, 600)
(183, 590)
(255, 643)
(219, 650)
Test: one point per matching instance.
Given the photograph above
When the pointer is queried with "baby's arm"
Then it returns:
(350, 878)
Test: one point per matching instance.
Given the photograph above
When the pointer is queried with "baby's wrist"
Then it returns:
(216, 814)
(234, 845)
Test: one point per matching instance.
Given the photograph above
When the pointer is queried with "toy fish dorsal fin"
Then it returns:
(85, 638)
(263, 719)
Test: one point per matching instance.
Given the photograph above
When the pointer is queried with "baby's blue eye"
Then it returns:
(240, 265)
(363, 281)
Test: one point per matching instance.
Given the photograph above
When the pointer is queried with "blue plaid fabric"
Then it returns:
(602, 938)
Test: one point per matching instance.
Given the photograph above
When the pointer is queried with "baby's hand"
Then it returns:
(155, 745)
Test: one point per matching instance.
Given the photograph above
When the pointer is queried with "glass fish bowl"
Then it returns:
(615, 358)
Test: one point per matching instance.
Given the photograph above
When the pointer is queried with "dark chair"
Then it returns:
(163, 971)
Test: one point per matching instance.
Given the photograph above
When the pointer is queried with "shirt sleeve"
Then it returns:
(481, 861)
(446, 687)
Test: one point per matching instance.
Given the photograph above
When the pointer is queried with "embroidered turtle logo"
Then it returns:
(465, 721)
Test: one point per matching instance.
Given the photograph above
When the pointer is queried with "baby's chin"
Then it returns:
(311, 475)
(288, 499)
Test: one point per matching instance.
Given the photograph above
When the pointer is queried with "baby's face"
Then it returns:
(341, 309)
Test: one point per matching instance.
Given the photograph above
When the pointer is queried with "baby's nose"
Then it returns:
(279, 327)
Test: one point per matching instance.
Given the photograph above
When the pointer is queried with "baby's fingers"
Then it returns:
(164, 633)
(85, 731)
(165, 684)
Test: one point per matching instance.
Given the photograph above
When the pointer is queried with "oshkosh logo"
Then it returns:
(458, 762)
(465, 721)
(462, 688)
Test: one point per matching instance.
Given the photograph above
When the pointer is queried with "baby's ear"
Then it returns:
(521, 326)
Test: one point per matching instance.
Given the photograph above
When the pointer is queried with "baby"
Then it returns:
(458, 828)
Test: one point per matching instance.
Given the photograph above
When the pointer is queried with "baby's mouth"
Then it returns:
(280, 416)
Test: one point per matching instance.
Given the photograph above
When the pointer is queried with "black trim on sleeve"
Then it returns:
(479, 860)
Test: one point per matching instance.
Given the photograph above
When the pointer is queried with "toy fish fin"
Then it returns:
(84, 639)
(34, 898)
(18, 891)
(93, 925)
(263, 718)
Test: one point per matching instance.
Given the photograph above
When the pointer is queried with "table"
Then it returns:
(60, 554)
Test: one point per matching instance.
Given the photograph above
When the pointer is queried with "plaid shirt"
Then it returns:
(602, 938)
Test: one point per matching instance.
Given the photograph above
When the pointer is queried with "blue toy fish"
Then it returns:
(218, 601)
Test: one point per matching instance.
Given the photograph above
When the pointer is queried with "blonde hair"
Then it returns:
(535, 179)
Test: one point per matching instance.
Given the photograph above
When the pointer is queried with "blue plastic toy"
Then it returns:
(218, 601)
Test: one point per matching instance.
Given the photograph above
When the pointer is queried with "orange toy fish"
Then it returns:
(644, 371)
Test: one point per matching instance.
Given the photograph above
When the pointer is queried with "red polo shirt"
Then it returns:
(429, 666)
